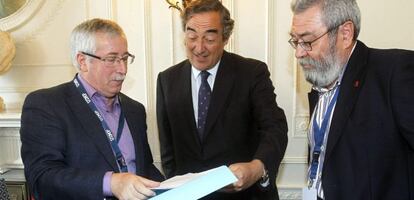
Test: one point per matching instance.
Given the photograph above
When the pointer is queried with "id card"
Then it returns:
(309, 193)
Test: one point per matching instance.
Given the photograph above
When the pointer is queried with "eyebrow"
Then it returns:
(208, 31)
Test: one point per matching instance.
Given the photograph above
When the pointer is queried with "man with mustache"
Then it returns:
(361, 131)
(84, 139)
(218, 108)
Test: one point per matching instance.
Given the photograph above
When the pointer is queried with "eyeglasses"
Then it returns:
(307, 46)
(112, 60)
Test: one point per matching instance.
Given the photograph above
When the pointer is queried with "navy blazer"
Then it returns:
(65, 150)
(243, 122)
(370, 150)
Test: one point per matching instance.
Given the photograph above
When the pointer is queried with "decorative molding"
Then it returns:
(149, 66)
(21, 16)
(300, 121)
(30, 27)
(12, 132)
(230, 5)
(10, 147)
(16, 90)
(9, 120)
(301, 126)
(45, 65)
(295, 160)
(270, 34)
(290, 194)
(172, 35)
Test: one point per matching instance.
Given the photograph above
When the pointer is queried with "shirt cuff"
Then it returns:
(107, 192)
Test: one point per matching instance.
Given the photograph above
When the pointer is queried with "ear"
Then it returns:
(82, 62)
(346, 34)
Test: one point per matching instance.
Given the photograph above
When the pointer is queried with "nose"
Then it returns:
(122, 67)
(199, 46)
(300, 52)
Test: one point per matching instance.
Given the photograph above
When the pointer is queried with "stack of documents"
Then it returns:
(194, 185)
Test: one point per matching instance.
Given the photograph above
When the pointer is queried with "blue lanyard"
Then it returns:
(319, 135)
(114, 143)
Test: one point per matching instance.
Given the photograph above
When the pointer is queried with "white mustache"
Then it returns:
(307, 61)
(119, 77)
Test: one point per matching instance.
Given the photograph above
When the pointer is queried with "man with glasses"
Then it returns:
(84, 139)
(218, 108)
(361, 131)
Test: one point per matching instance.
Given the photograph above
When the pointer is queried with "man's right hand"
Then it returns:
(127, 186)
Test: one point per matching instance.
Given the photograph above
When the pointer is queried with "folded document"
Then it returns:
(194, 185)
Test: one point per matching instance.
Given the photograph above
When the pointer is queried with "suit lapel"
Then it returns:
(90, 124)
(313, 100)
(351, 84)
(222, 85)
(184, 94)
(136, 129)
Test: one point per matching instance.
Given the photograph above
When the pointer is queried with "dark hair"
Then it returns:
(201, 6)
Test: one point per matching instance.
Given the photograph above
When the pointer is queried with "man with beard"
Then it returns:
(361, 131)
(84, 139)
(218, 108)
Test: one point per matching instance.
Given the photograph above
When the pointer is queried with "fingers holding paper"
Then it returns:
(129, 186)
(247, 174)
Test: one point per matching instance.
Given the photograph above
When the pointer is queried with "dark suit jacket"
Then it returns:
(65, 150)
(243, 122)
(370, 150)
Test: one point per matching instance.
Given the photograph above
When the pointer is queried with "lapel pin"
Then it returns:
(356, 83)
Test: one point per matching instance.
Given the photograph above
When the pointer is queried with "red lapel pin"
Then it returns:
(356, 83)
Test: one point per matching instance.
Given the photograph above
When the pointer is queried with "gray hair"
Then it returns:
(83, 37)
(201, 6)
(334, 12)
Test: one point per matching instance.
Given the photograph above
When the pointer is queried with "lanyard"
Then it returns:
(114, 143)
(319, 135)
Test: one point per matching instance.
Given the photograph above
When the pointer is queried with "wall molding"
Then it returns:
(295, 160)
(10, 147)
(21, 16)
(39, 15)
(301, 126)
(46, 65)
(230, 5)
(13, 122)
(16, 90)
(270, 34)
(290, 193)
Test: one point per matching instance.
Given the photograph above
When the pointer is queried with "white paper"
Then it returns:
(195, 186)
(177, 181)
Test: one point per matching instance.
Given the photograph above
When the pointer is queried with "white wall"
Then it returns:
(155, 37)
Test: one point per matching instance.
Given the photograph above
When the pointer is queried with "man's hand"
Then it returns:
(126, 186)
(247, 173)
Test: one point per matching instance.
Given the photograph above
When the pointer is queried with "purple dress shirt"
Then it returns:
(111, 114)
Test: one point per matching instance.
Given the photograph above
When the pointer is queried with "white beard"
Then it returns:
(323, 72)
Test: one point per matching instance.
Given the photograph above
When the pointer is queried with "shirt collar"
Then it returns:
(92, 92)
(212, 71)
